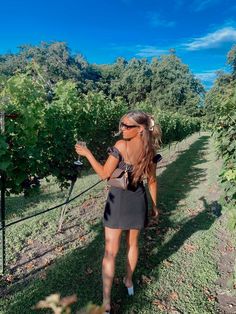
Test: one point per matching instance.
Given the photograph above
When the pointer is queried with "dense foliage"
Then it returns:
(40, 141)
(166, 82)
(221, 114)
(59, 97)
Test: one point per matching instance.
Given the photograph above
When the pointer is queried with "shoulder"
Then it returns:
(120, 145)
(117, 149)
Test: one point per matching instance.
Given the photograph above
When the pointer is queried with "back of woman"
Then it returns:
(127, 209)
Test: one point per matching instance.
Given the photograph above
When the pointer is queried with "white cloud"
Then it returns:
(144, 51)
(115, 46)
(200, 5)
(213, 40)
(155, 20)
(150, 51)
(207, 76)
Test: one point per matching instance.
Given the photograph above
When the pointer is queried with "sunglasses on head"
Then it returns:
(128, 126)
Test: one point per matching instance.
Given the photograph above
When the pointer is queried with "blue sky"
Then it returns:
(202, 32)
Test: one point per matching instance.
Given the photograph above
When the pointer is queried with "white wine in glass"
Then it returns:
(78, 162)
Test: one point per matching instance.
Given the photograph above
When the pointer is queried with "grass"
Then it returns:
(43, 226)
(176, 270)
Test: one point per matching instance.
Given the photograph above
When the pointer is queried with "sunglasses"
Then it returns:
(128, 126)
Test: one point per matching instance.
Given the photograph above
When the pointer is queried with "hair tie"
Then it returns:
(151, 124)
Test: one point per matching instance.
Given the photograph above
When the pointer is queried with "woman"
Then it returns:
(127, 209)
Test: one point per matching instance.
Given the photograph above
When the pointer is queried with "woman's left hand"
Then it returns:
(82, 150)
(155, 212)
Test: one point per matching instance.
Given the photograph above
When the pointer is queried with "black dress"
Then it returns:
(126, 209)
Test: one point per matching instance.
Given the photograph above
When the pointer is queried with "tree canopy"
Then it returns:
(167, 83)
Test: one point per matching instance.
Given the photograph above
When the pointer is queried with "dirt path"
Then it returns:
(226, 256)
(195, 192)
(225, 288)
(37, 255)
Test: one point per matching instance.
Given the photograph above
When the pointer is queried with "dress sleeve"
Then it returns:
(114, 152)
(157, 158)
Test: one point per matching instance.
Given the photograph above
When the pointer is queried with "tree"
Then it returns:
(174, 87)
(231, 59)
(221, 116)
(134, 81)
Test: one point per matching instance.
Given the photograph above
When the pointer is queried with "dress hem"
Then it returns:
(124, 228)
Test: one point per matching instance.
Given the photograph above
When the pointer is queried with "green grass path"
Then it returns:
(177, 265)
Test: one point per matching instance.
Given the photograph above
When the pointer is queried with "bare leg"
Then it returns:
(112, 244)
(132, 255)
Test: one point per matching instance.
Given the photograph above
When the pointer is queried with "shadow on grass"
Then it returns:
(18, 205)
(77, 272)
(175, 183)
(80, 270)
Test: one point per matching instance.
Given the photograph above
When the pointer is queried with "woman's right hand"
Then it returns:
(82, 150)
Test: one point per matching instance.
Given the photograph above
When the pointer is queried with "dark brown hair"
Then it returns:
(151, 137)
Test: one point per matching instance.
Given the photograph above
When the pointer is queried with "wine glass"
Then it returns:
(78, 162)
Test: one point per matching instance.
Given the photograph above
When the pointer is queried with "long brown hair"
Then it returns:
(151, 138)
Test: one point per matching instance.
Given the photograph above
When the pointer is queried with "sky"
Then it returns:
(201, 32)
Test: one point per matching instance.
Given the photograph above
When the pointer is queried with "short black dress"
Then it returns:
(126, 209)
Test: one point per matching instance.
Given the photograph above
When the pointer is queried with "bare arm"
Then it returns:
(103, 171)
(152, 186)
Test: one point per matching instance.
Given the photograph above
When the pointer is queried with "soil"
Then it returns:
(225, 289)
(38, 255)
